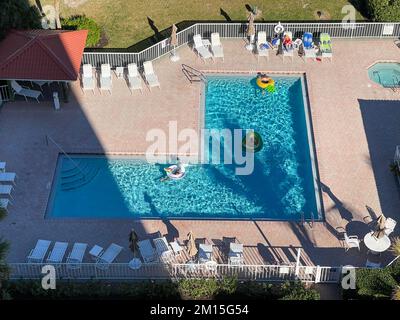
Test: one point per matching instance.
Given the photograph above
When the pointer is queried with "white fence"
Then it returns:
(238, 30)
(122, 271)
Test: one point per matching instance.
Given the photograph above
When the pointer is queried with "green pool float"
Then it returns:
(254, 140)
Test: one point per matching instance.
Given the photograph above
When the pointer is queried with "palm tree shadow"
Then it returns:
(157, 35)
(225, 15)
(344, 213)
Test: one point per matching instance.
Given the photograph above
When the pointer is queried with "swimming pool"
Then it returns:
(281, 187)
(387, 74)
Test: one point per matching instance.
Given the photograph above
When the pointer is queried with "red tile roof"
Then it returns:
(42, 55)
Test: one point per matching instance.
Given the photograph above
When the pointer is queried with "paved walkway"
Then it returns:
(355, 127)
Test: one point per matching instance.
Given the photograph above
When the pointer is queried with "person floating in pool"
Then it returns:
(173, 170)
(264, 78)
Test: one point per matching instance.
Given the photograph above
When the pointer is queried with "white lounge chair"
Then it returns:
(235, 253)
(8, 177)
(6, 189)
(25, 91)
(216, 46)
(390, 224)
(205, 253)
(39, 252)
(134, 79)
(4, 204)
(76, 255)
(151, 77)
(288, 50)
(176, 248)
(201, 49)
(88, 82)
(262, 44)
(108, 256)
(3, 166)
(351, 242)
(56, 255)
(163, 250)
(119, 72)
(105, 77)
(147, 251)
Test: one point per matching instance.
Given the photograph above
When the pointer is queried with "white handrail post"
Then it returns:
(318, 274)
(298, 262)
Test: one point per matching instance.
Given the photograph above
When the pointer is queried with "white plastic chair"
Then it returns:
(205, 253)
(390, 224)
(216, 46)
(25, 91)
(201, 50)
(56, 255)
(4, 204)
(163, 250)
(39, 252)
(105, 77)
(261, 42)
(151, 77)
(288, 52)
(351, 242)
(147, 251)
(76, 255)
(235, 255)
(108, 256)
(6, 190)
(134, 79)
(88, 82)
(8, 177)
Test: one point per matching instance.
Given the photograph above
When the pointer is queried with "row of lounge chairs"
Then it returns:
(75, 256)
(132, 77)
(263, 46)
(7, 183)
(311, 50)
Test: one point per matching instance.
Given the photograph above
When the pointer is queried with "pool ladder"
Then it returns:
(303, 220)
(378, 76)
(192, 74)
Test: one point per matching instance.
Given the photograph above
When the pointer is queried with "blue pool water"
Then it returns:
(386, 74)
(280, 187)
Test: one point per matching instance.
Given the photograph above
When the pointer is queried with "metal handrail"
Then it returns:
(192, 73)
(62, 150)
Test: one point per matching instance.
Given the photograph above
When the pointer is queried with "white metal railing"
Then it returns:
(5, 94)
(238, 30)
(122, 271)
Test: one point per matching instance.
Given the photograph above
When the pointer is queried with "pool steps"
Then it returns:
(76, 176)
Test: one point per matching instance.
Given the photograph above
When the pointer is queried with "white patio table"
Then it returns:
(376, 245)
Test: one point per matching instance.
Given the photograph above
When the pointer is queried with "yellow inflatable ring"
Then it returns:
(264, 85)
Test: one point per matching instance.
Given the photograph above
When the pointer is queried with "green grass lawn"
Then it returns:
(125, 21)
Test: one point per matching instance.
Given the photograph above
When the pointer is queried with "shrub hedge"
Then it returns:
(163, 290)
(384, 10)
(84, 23)
(375, 283)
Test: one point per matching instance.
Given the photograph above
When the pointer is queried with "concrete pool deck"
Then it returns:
(355, 130)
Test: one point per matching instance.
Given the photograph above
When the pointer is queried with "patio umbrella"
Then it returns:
(173, 41)
(192, 250)
(380, 230)
(133, 240)
(251, 31)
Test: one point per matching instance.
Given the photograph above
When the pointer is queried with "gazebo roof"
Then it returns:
(42, 55)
